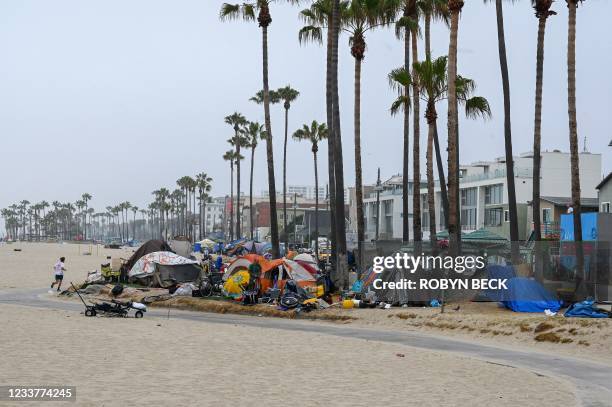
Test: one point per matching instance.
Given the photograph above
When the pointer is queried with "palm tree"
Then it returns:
(135, 210)
(204, 186)
(230, 156)
(314, 134)
(572, 5)
(253, 132)
(430, 78)
(542, 8)
(237, 121)
(403, 29)
(454, 7)
(361, 17)
(318, 16)
(287, 95)
(436, 10)
(86, 198)
(247, 12)
(503, 63)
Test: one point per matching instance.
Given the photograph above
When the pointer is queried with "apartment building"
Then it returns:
(484, 194)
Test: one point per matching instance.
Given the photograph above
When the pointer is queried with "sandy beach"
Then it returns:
(156, 361)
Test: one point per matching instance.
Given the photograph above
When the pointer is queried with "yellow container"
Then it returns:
(347, 304)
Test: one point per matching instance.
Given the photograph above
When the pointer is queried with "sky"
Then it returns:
(119, 98)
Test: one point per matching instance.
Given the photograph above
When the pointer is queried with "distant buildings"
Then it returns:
(484, 195)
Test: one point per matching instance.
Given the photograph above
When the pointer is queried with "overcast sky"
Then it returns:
(118, 98)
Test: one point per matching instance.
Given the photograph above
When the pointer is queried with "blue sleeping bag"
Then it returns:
(527, 295)
(585, 309)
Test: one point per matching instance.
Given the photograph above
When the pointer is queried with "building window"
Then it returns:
(506, 216)
(494, 194)
(468, 218)
(547, 216)
(605, 207)
(493, 217)
(468, 197)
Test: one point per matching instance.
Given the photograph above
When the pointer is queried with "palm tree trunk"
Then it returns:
(238, 229)
(428, 36)
(441, 176)
(330, 139)
(406, 152)
(358, 169)
(285, 178)
(316, 228)
(537, 137)
(231, 228)
(341, 264)
(453, 165)
(573, 139)
(416, 154)
(251, 192)
(431, 118)
(503, 62)
(269, 149)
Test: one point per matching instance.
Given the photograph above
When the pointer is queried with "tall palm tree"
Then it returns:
(86, 198)
(248, 11)
(204, 187)
(542, 12)
(503, 63)
(336, 135)
(454, 228)
(237, 121)
(253, 132)
(231, 157)
(320, 16)
(314, 134)
(572, 5)
(362, 16)
(436, 10)
(287, 95)
(403, 29)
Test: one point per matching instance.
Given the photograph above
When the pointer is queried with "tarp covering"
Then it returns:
(585, 309)
(146, 265)
(149, 246)
(527, 295)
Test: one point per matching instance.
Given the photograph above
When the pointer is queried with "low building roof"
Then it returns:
(565, 201)
(606, 179)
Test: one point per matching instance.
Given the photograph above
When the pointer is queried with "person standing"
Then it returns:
(59, 269)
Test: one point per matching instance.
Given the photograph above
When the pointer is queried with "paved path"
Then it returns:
(593, 381)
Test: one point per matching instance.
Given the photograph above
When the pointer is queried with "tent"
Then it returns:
(273, 272)
(396, 296)
(207, 243)
(164, 269)
(527, 295)
(149, 246)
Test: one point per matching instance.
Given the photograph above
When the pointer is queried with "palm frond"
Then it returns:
(310, 33)
(476, 107)
(245, 11)
(399, 78)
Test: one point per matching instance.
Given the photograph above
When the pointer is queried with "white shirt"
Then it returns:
(59, 268)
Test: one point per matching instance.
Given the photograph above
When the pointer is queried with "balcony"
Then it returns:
(500, 173)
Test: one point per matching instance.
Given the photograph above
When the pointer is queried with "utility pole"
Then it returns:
(294, 219)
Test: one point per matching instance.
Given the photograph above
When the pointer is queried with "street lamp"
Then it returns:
(378, 190)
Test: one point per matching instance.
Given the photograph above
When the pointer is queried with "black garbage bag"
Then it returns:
(117, 290)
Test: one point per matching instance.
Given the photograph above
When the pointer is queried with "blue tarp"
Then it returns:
(495, 271)
(527, 295)
(584, 309)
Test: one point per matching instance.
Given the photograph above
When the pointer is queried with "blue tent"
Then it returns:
(585, 309)
(527, 295)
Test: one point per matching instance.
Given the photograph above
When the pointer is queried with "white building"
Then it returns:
(484, 194)
(306, 191)
(214, 213)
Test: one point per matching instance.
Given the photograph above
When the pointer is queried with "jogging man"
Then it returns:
(59, 269)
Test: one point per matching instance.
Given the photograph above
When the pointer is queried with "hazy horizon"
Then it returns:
(118, 99)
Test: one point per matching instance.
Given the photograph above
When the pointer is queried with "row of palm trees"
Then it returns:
(171, 213)
(429, 80)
